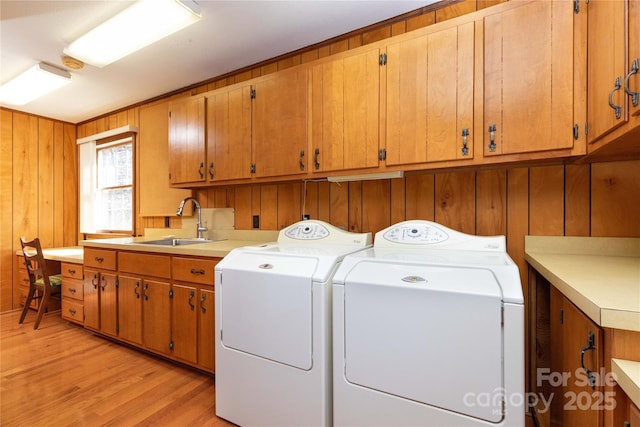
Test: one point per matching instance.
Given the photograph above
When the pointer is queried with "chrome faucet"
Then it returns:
(200, 228)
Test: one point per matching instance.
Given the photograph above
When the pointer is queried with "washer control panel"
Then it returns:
(415, 233)
(307, 231)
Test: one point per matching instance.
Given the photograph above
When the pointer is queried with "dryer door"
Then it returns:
(429, 334)
(266, 305)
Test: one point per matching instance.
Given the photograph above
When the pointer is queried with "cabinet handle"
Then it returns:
(465, 135)
(72, 311)
(194, 271)
(72, 290)
(492, 137)
(146, 295)
(591, 345)
(202, 307)
(301, 160)
(135, 290)
(99, 259)
(632, 94)
(316, 154)
(211, 170)
(104, 282)
(191, 295)
(95, 281)
(200, 170)
(615, 107)
(71, 271)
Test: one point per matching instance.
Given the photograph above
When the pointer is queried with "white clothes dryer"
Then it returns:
(273, 326)
(428, 330)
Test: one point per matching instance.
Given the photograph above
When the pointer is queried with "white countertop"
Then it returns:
(627, 374)
(600, 275)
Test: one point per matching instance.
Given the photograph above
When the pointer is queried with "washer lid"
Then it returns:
(433, 335)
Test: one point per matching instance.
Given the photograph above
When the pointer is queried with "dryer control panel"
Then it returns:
(313, 232)
(428, 234)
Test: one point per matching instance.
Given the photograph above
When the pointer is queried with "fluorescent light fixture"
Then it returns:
(37, 81)
(140, 25)
(366, 176)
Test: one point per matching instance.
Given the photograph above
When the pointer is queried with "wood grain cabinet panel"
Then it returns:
(529, 72)
(229, 134)
(613, 70)
(206, 329)
(345, 112)
(187, 140)
(72, 292)
(429, 93)
(279, 124)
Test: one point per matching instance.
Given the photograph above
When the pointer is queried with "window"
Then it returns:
(114, 192)
(107, 184)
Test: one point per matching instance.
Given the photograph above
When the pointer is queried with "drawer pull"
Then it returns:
(194, 271)
(99, 258)
(72, 311)
(72, 290)
(71, 271)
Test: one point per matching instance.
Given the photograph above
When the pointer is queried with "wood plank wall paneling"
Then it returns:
(6, 210)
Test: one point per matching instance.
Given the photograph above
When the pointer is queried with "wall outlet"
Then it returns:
(256, 221)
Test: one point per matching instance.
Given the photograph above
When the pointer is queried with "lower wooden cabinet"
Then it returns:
(23, 287)
(165, 304)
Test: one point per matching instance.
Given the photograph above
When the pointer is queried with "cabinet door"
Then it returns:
(108, 306)
(187, 143)
(156, 307)
(91, 299)
(345, 112)
(576, 342)
(185, 323)
(130, 309)
(528, 86)
(279, 124)
(229, 134)
(156, 197)
(206, 331)
(430, 97)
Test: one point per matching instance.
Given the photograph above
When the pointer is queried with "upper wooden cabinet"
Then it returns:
(156, 196)
(613, 70)
(429, 93)
(345, 98)
(279, 124)
(187, 144)
(229, 134)
(534, 57)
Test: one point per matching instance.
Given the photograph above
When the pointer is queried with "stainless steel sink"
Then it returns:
(176, 242)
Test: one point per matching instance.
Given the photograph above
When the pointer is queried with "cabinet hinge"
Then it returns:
(117, 329)
(169, 114)
(117, 283)
(561, 316)
(586, 128)
(171, 293)
(252, 169)
(171, 345)
(382, 154)
(383, 59)
(576, 133)
(253, 94)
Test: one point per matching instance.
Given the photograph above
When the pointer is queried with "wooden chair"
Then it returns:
(40, 278)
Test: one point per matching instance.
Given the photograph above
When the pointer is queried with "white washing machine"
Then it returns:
(428, 330)
(273, 326)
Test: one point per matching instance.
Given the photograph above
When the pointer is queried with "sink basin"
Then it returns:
(176, 242)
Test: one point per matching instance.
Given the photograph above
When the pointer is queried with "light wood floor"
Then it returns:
(62, 375)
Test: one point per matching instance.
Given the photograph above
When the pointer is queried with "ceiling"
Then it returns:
(230, 36)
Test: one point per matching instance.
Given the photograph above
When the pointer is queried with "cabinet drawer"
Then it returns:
(73, 310)
(194, 270)
(73, 288)
(145, 264)
(100, 258)
(71, 270)
(22, 278)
